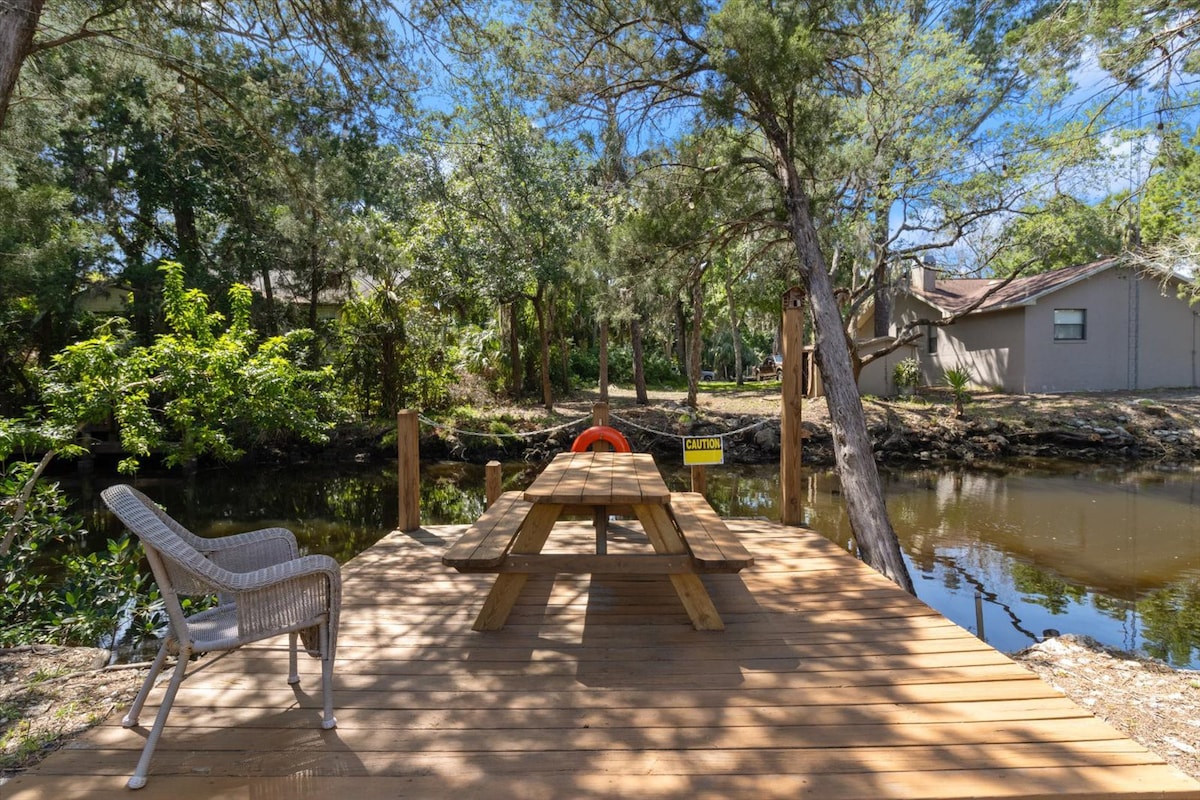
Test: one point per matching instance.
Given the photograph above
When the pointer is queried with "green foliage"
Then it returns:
(659, 369)
(53, 591)
(1061, 233)
(1170, 206)
(196, 390)
(392, 353)
(906, 374)
(958, 379)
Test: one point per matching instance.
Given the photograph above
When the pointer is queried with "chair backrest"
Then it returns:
(178, 566)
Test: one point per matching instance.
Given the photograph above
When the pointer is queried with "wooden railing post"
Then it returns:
(699, 479)
(408, 470)
(791, 510)
(492, 482)
(599, 413)
(600, 417)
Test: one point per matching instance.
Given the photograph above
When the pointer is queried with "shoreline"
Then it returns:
(1158, 428)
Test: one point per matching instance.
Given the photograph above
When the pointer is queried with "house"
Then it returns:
(1101, 326)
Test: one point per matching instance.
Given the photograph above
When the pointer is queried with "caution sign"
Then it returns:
(699, 450)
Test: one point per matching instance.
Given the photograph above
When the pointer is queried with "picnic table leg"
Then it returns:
(507, 588)
(600, 523)
(689, 587)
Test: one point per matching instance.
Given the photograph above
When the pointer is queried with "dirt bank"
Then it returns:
(1161, 427)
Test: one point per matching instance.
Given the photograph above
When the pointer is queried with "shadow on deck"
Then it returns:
(829, 682)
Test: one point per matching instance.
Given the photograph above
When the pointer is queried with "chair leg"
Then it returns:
(329, 721)
(131, 718)
(139, 775)
(293, 669)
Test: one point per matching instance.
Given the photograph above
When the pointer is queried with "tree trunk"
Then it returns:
(873, 533)
(544, 339)
(639, 369)
(694, 341)
(882, 291)
(187, 239)
(735, 329)
(514, 349)
(18, 23)
(564, 349)
(604, 361)
(314, 270)
(269, 300)
(679, 345)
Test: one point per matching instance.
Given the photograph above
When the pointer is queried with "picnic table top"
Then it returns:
(600, 479)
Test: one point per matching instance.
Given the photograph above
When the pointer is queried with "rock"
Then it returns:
(1153, 409)
(983, 426)
(767, 438)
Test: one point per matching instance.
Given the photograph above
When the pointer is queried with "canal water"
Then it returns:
(1110, 553)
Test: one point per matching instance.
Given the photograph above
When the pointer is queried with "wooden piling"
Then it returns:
(492, 482)
(408, 470)
(699, 479)
(600, 417)
(790, 436)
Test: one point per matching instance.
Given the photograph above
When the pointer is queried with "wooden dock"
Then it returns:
(828, 683)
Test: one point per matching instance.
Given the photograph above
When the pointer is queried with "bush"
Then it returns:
(958, 380)
(906, 375)
(55, 593)
(585, 366)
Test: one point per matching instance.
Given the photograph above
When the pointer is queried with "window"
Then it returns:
(931, 339)
(1070, 324)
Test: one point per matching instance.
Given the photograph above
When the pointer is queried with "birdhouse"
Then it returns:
(793, 298)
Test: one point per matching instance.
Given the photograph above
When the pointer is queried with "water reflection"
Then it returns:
(1109, 553)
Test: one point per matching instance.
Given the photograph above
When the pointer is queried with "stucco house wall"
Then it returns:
(1138, 336)
(876, 377)
(990, 347)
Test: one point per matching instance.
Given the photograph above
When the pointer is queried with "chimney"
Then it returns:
(924, 274)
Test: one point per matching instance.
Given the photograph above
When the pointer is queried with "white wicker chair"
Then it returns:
(264, 588)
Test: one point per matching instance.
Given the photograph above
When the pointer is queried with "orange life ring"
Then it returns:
(601, 433)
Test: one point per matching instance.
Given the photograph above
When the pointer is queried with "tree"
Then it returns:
(506, 216)
(763, 67)
(196, 390)
(1170, 205)
(346, 38)
(1062, 233)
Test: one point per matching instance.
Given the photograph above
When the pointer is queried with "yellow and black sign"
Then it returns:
(698, 450)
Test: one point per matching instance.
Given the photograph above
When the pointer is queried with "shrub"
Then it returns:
(53, 592)
(906, 375)
(958, 380)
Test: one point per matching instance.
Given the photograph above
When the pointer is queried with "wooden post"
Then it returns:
(492, 482)
(408, 452)
(599, 413)
(600, 417)
(603, 362)
(790, 436)
(699, 479)
(600, 515)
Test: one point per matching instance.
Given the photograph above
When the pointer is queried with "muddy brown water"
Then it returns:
(1110, 553)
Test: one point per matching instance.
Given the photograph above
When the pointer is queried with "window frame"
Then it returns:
(1061, 329)
(931, 339)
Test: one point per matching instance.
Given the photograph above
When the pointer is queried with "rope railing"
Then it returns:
(668, 435)
(490, 435)
(572, 423)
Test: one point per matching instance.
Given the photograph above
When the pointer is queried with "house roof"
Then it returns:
(954, 295)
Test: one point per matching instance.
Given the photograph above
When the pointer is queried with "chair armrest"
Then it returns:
(287, 596)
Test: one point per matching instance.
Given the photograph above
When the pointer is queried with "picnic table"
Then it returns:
(684, 531)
